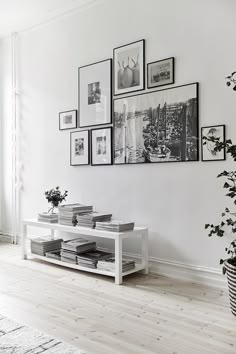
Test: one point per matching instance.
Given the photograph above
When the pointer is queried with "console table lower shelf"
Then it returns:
(137, 268)
(118, 237)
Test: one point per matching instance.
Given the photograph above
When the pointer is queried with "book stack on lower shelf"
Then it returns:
(115, 226)
(72, 248)
(108, 264)
(45, 244)
(90, 259)
(85, 219)
(67, 213)
(78, 251)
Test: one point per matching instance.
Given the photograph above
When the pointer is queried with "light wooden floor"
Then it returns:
(148, 314)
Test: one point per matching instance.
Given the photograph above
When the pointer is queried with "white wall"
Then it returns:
(173, 200)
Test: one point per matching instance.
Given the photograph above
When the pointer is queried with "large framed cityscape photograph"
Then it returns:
(158, 126)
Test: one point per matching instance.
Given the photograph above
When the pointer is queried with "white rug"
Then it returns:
(18, 339)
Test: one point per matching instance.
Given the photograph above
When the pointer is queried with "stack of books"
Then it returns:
(90, 259)
(54, 254)
(108, 264)
(71, 248)
(42, 245)
(115, 225)
(89, 219)
(67, 213)
(47, 217)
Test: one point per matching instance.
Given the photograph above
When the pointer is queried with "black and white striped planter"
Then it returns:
(231, 277)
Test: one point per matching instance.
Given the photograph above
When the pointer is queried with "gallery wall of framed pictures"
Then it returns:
(126, 127)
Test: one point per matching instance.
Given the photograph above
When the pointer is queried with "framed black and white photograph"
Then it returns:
(160, 73)
(68, 120)
(95, 94)
(80, 148)
(209, 134)
(101, 146)
(158, 126)
(129, 67)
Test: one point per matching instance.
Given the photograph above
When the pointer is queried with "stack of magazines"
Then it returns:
(47, 217)
(89, 219)
(54, 254)
(90, 259)
(42, 245)
(71, 248)
(108, 264)
(115, 225)
(67, 213)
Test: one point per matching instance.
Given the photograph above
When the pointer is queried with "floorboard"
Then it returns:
(147, 314)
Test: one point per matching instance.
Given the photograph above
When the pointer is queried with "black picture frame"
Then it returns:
(61, 117)
(110, 147)
(142, 83)
(171, 81)
(88, 159)
(196, 127)
(211, 147)
(110, 94)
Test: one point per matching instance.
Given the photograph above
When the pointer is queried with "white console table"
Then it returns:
(118, 237)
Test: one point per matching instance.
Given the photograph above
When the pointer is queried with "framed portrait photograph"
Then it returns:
(101, 146)
(159, 126)
(129, 67)
(80, 148)
(68, 120)
(95, 94)
(160, 73)
(209, 134)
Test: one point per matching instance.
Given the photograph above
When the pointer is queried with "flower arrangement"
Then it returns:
(55, 197)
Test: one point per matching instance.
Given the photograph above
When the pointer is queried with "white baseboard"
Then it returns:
(193, 273)
(187, 272)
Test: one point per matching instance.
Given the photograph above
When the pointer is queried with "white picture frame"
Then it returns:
(129, 68)
(80, 148)
(101, 146)
(161, 73)
(208, 152)
(68, 120)
(95, 94)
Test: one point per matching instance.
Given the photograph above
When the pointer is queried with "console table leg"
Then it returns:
(145, 252)
(23, 242)
(118, 261)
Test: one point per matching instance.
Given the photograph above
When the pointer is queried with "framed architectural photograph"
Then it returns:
(80, 148)
(129, 67)
(208, 147)
(158, 126)
(160, 73)
(68, 120)
(101, 146)
(95, 94)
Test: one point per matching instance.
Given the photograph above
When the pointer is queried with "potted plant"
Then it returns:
(55, 197)
(228, 222)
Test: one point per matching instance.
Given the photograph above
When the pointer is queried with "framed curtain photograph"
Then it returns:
(68, 120)
(101, 146)
(129, 67)
(95, 94)
(80, 148)
(158, 126)
(160, 73)
(208, 147)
